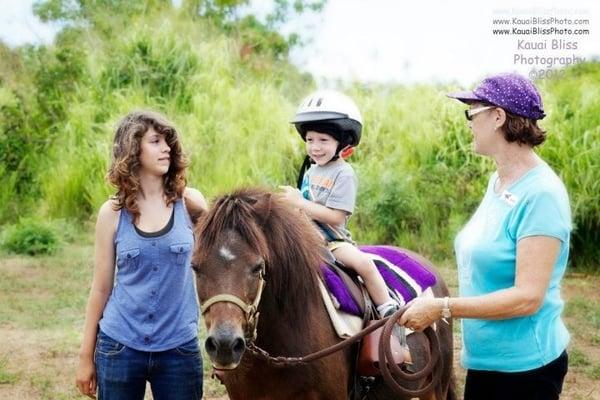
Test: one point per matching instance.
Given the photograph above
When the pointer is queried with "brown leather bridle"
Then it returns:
(250, 310)
(431, 369)
(394, 377)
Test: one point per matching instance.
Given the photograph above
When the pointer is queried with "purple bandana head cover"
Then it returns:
(512, 92)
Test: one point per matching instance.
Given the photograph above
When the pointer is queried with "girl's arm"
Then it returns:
(194, 202)
(536, 256)
(102, 284)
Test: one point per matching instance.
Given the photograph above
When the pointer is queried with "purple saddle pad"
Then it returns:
(403, 274)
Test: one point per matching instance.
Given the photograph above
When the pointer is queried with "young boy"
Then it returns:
(330, 123)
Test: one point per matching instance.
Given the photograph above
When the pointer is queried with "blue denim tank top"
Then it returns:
(153, 304)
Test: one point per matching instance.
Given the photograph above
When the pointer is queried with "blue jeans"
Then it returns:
(122, 371)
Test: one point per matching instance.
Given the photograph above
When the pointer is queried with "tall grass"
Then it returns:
(419, 179)
(573, 148)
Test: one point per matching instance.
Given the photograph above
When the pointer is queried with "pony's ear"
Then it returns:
(262, 206)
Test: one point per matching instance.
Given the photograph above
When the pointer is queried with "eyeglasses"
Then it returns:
(469, 114)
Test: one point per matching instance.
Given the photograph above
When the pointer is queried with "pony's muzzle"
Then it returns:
(225, 348)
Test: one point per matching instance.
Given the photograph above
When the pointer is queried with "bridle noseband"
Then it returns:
(394, 377)
(250, 310)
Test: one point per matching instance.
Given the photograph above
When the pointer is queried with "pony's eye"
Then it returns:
(196, 268)
(259, 268)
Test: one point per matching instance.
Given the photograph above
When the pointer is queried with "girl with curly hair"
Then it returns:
(142, 314)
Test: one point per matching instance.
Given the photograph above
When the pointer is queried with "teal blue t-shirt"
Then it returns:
(535, 205)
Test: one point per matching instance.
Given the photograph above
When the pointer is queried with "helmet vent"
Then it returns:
(333, 108)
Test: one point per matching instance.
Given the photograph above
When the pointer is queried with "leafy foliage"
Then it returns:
(30, 236)
(224, 78)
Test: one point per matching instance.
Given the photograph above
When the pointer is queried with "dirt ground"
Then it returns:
(39, 362)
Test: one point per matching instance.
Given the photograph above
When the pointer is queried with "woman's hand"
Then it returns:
(86, 377)
(292, 196)
(421, 313)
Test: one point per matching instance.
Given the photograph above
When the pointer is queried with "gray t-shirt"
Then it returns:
(333, 185)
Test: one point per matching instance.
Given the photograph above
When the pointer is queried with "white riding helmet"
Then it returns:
(330, 109)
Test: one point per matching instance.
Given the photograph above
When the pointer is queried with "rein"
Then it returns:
(393, 376)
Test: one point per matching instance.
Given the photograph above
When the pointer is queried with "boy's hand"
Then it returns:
(292, 196)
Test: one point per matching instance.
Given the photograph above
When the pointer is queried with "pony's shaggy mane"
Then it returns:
(282, 235)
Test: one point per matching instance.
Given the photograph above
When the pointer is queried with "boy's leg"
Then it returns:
(353, 258)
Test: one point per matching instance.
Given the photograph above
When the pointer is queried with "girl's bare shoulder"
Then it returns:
(109, 212)
(194, 199)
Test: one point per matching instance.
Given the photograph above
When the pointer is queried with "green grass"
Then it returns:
(582, 313)
(49, 283)
(419, 178)
(580, 361)
(594, 372)
(585, 309)
(577, 358)
(44, 298)
(42, 305)
(6, 377)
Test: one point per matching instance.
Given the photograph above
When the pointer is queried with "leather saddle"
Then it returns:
(368, 355)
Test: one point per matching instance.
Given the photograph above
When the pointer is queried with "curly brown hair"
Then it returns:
(522, 130)
(125, 164)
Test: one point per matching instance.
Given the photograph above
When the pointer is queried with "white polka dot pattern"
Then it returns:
(512, 92)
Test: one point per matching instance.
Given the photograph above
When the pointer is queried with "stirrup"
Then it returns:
(390, 308)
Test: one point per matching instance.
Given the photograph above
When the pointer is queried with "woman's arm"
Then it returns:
(102, 284)
(536, 256)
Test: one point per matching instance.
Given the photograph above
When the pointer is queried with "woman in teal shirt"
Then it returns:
(511, 255)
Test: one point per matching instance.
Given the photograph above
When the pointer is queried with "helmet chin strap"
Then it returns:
(305, 166)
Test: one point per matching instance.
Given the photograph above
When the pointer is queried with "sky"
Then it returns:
(424, 41)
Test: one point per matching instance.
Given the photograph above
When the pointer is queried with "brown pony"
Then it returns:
(252, 234)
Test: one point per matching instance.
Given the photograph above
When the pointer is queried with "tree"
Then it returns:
(232, 16)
